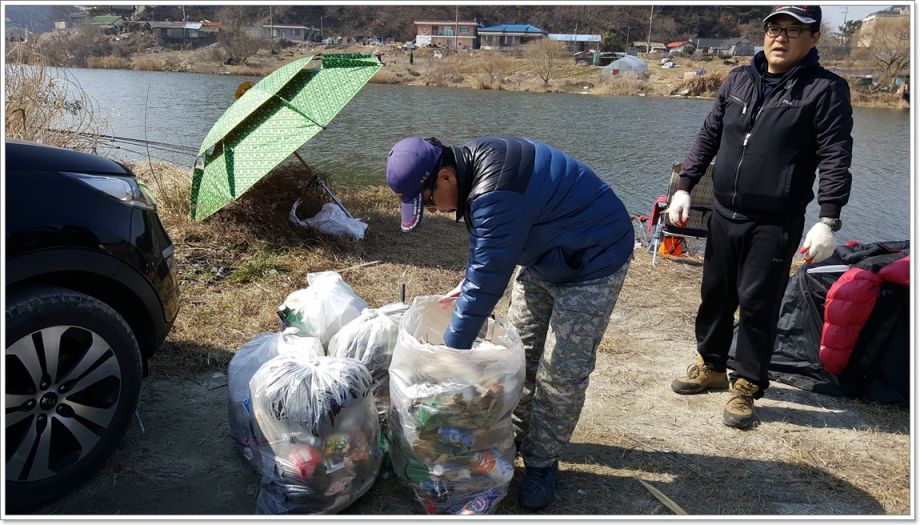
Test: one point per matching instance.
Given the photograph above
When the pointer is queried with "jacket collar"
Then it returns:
(759, 63)
(464, 165)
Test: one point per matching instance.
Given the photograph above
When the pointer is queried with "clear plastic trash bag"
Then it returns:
(317, 432)
(243, 366)
(452, 439)
(371, 338)
(322, 308)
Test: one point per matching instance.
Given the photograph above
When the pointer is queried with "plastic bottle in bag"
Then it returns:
(450, 425)
(244, 365)
(322, 308)
(318, 434)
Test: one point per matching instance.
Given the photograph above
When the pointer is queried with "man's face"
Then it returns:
(783, 51)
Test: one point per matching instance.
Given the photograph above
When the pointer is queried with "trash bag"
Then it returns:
(317, 432)
(451, 436)
(371, 338)
(331, 220)
(322, 308)
(244, 364)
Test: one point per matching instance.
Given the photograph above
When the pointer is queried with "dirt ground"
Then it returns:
(810, 454)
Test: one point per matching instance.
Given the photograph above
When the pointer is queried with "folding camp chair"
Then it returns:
(676, 239)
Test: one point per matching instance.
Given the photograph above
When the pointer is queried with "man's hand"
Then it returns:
(679, 210)
(450, 297)
(819, 243)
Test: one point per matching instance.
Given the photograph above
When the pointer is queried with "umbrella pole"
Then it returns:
(323, 185)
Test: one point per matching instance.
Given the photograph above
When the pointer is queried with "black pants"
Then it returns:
(746, 265)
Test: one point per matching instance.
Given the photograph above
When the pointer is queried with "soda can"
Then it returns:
(484, 462)
(303, 461)
(480, 504)
(438, 490)
(456, 437)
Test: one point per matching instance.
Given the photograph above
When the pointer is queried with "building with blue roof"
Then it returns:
(508, 36)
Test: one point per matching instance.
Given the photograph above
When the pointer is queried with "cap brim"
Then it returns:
(801, 18)
(411, 214)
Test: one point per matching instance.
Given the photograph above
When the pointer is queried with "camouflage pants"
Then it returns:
(561, 326)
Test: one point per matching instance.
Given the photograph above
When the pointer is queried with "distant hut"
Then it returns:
(627, 66)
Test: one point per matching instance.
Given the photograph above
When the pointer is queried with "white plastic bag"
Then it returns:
(450, 428)
(322, 308)
(330, 220)
(371, 338)
(317, 431)
(243, 366)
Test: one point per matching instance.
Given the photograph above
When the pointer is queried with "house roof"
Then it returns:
(282, 26)
(175, 25)
(564, 37)
(679, 43)
(511, 28)
(105, 20)
(446, 22)
(720, 43)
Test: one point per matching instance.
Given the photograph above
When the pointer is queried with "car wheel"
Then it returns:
(73, 375)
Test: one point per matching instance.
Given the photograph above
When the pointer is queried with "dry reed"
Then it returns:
(109, 62)
(46, 105)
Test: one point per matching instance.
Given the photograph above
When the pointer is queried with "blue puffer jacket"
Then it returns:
(530, 204)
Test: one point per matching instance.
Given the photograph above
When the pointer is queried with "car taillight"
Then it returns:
(128, 190)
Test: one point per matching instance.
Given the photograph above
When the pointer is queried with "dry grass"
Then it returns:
(147, 63)
(46, 105)
(621, 85)
(704, 86)
(109, 62)
(237, 266)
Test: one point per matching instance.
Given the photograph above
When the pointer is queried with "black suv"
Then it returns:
(91, 292)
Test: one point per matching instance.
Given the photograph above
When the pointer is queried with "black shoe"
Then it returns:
(539, 486)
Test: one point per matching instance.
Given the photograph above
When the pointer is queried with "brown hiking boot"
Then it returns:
(699, 378)
(739, 411)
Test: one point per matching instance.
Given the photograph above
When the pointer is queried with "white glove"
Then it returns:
(450, 297)
(819, 243)
(679, 210)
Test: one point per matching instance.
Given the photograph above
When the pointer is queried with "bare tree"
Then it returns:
(889, 46)
(494, 64)
(233, 38)
(545, 56)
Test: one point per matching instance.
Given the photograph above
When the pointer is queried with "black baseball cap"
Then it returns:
(806, 14)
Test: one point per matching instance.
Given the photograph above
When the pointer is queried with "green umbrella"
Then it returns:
(270, 122)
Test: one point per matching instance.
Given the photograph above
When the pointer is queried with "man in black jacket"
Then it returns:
(773, 124)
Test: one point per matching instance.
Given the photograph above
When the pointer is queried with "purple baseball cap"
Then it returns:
(806, 14)
(412, 165)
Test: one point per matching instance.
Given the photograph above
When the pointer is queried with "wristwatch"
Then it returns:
(835, 224)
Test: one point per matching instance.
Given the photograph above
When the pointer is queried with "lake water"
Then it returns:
(630, 142)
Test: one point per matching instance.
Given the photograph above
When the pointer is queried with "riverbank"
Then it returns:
(811, 454)
(491, 70)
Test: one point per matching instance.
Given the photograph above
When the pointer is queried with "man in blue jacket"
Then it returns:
(531, 206)
(773, 124)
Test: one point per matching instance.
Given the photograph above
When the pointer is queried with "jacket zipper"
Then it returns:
(752, 122)
(747, 136)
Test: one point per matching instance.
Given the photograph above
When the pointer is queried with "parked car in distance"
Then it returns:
(91, 293)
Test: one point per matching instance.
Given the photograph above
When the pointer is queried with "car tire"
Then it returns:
(83, 401)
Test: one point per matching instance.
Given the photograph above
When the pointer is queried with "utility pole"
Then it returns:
(184, 18)
(456, 26)
(271, 30)
(648, 42)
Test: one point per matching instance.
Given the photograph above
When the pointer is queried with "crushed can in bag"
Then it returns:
(451, 436)
(317, 433)
(246, 361)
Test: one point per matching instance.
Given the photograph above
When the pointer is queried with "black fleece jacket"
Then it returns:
(768, 150)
